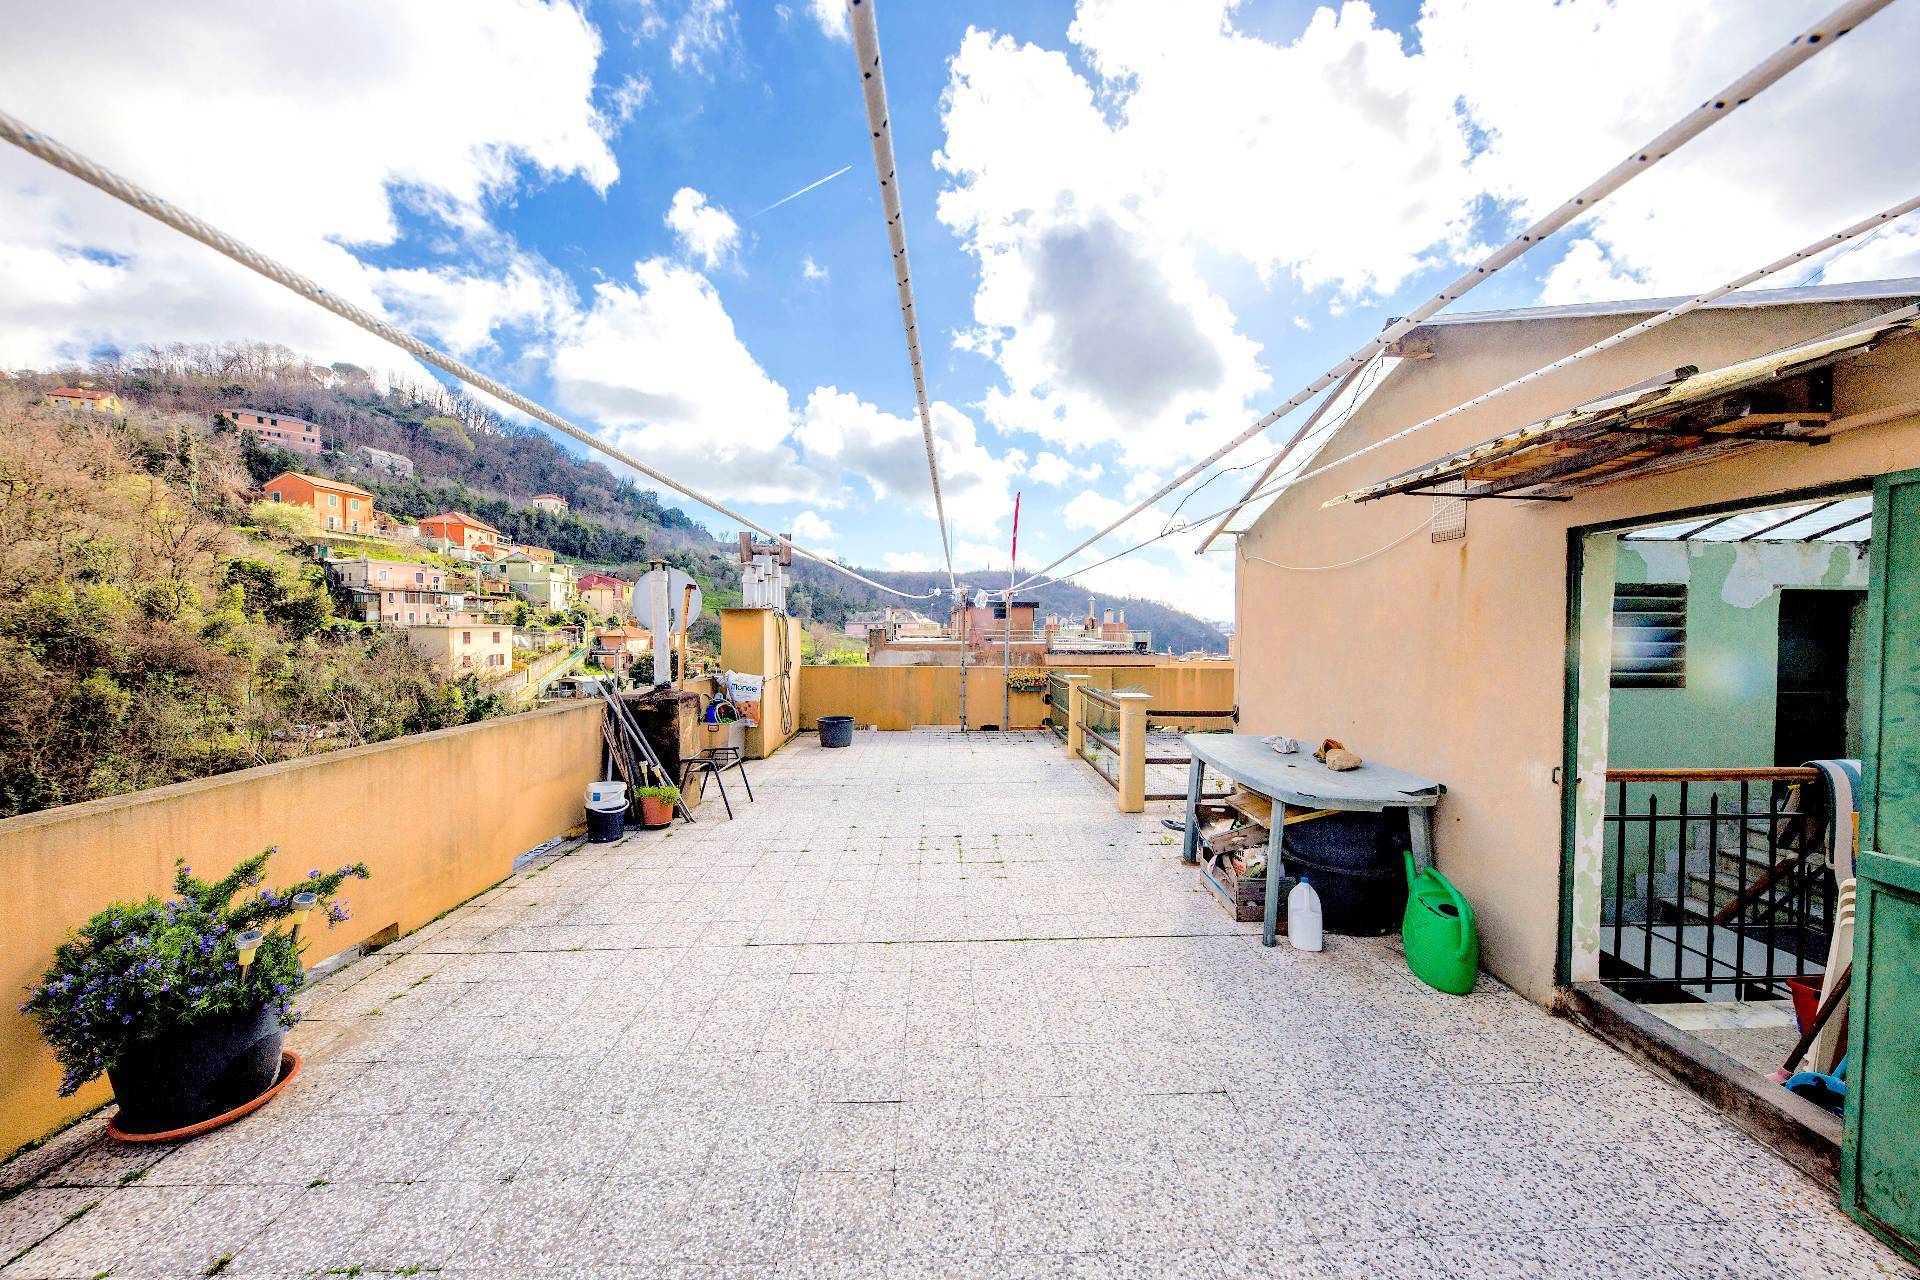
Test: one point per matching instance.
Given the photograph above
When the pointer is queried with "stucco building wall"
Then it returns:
(1449, 659)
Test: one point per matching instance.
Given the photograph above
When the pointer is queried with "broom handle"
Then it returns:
(1808, 1036)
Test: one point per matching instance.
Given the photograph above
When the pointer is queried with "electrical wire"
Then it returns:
(1370, 374)
(1867, 226)
(1715, 109)
(1377, 552)
(873, 84)
(94, 175)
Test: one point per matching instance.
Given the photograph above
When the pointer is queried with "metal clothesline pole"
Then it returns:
(873, 84)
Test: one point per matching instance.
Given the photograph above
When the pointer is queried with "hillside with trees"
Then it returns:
(468, 457)
(151, 631)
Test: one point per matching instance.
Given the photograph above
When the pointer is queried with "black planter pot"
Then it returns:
(182, 1077)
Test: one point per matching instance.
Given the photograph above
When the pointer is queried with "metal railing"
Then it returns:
(1715, 882)
(1116, 722)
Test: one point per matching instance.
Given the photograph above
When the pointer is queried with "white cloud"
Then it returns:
(832, 17)
(659, 362)
(1824, 147)
(1198, 584)
(1178, 151)
(625, 100)
(909, 561)
(1142, 482)
(468, 311)
(974, 556)
(811, 528)
(704, 231)
(445, 105)
(889, 452)
(706, 30)
(813, 272)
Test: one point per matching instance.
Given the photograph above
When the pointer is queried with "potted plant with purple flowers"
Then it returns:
(182, 1003)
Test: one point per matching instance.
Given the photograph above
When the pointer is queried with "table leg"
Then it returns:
(1275, 839)
(1190, 842)
(1420, 836)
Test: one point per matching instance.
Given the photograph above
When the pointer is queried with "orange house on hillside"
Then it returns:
(458, 529)
(340, 507)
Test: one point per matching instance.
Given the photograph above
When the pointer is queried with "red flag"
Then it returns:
(1016, 529)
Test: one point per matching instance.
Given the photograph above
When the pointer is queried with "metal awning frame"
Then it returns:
(1674, 420)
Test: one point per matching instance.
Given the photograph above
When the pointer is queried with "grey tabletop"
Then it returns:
(1300, 779)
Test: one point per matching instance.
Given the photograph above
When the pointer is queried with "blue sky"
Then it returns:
(1134, 225)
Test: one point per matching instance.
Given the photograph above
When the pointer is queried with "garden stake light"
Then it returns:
(303, 905)
(246, 944)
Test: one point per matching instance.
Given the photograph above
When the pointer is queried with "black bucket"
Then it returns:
(604, 826)
(1354, 862)
(836, 731)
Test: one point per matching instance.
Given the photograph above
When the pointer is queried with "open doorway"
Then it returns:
(1733, 671)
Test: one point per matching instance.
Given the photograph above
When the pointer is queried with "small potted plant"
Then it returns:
(182, 1004)
(656, 805)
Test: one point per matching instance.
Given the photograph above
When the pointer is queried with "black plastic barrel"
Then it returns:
(836, 731)
(604, 826)
(1354, 863)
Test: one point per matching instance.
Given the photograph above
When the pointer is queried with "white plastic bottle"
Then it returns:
(1303, 916)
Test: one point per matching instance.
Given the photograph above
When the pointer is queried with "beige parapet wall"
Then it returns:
(437, 817)
(903, 697)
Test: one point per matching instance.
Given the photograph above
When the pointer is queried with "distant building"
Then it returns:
(296, 434)
(542, 583)
(894, 621)
(604, 594)
(393, 464)
(542, 554)
(988, 633)
(458, 529)
(86, 400)
(463, 645)
(552, 503)
(395, 592)
(616, 648)
(339, 507)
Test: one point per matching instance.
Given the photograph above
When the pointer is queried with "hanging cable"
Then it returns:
(64, 158)
(1367, 376)
(1690, 126)
(866, 47)
(1865, 227)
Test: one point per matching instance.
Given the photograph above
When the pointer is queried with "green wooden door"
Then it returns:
(1880, 1167)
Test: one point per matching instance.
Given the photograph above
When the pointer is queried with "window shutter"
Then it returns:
(1650, 635)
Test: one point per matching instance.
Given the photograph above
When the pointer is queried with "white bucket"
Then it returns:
(602, 794)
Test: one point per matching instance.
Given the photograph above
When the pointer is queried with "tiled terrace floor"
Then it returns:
(930, 1007)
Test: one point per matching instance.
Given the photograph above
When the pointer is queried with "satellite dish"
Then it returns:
(679, 602)
(979, 599)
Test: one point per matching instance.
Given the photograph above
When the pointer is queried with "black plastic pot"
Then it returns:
(836, 731)
(1354, 862)
(180, 1078)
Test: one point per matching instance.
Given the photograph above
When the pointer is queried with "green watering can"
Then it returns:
(1443, 945)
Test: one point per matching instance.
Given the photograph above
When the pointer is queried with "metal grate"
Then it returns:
(1449, 518)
